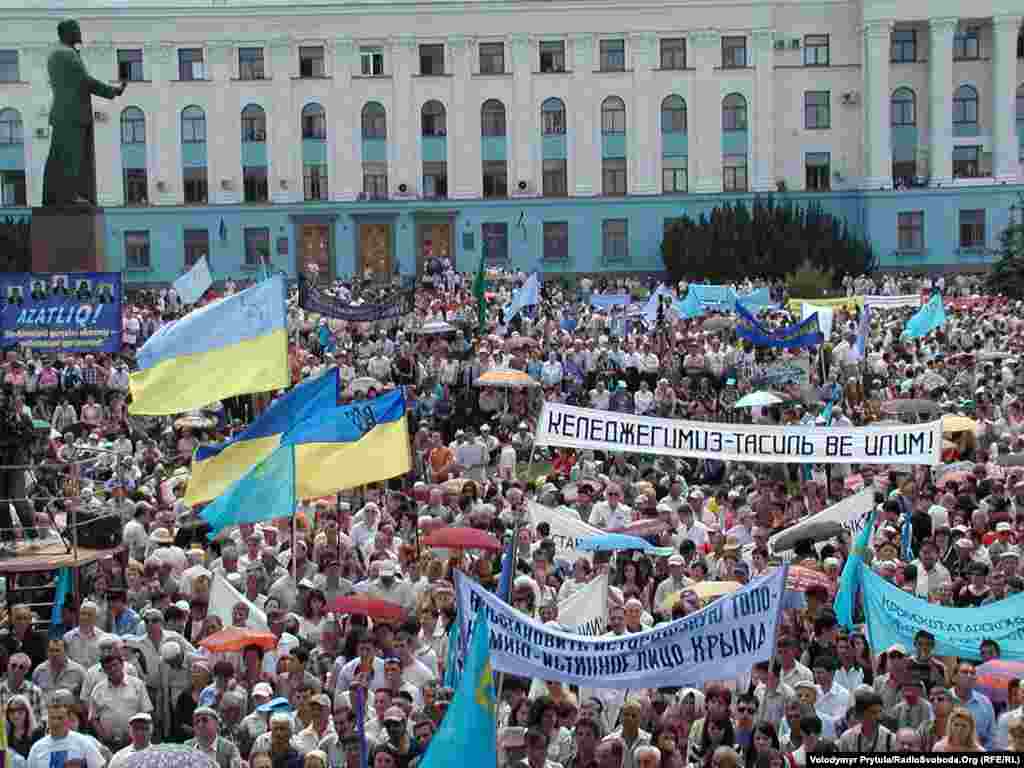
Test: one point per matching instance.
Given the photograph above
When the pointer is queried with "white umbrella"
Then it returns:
(436, 327)
(758, 399)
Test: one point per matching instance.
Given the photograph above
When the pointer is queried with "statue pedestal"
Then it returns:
(68, 239)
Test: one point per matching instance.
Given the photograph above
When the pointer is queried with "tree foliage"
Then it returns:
(1007, 274)
(15, 244)
(766, 238)
(809, 282)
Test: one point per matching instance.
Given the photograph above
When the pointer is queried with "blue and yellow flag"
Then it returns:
(351, 445)
(234, 346)
(265, 492)
(216, 467)
(850, 578)
(466, 736)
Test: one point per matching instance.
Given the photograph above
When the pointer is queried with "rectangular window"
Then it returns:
(555, 179)
(494, 235)
(311, 61)
(615, 241)
(965, 44)
(254, 182)
(674, 175)
(129, 64)
(972, 229)
(375, 181)
(197, 245)
(314, 182)
(817, 111)
(552, 55)
(194, 182)
(12, 188)
(818, 167)
(250, 64)
(495, 178)
(372, 60)
(734, 173)
(8, 66)
(910, 231)
(435, 180)
(815, 50)
(257, 246)
(673, 53)
(734, 52)
(904, 174)
(613, 55)
(556, 241)
(904, 46)
(136, 249)
(190, 64)
(613, 176)
(431, 59)
(135, 192)
(492, 58)
(966, 162)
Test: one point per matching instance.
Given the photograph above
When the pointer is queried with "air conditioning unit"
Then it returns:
(225, 183)
(780, 45)
(851, 97)
(795, 43)
(524, 186)
(100, 117)
(42, 133)
(161, 185)
(403, 187)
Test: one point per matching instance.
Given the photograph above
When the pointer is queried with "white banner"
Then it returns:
(585, 611)
(581, 428)
(193, 284)
(826, 316)
(893, 302)
(848, 515)
(566, 531)
(223, 598)
(722, 641)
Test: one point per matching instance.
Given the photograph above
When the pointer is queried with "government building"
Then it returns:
(366, 136)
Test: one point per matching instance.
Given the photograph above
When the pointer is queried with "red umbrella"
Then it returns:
(462, 538)
(237, 639)
(368, 606)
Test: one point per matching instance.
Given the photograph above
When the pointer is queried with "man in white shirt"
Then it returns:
(141, 727)
(611, 513)
(834, 700)
(62, 745)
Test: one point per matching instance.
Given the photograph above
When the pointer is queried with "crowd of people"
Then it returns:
(128, 667)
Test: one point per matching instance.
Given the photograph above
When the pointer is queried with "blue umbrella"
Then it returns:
(608, 542)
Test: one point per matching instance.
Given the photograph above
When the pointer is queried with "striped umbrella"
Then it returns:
(994, 678)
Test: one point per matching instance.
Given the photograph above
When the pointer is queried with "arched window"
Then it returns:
(11, 129)
(254, 123)
(904, 107)
(193, 125)
(314, 122)
(613, 115)
(552, 117)
(734, 113)
(433, 119)
(492, 118)
(965, 106)
(133, 126)
(375, 121)
(673, 114)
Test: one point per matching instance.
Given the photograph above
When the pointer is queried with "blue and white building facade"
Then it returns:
(368, 135)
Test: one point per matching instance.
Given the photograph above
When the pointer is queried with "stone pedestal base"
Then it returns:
(69, 239)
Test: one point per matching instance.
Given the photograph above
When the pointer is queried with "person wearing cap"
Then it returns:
(388, 587)
(113, 701)
(206, 723)
(62, 742)
(674, 583)
(396, 728)
(141, 730)
(83, 642)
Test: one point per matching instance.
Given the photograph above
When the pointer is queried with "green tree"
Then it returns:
(1007, 274)
(765, 238)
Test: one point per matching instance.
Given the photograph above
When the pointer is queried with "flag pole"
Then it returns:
(294, 513)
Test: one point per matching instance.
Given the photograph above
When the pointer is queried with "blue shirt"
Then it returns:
(984, 717)
(127, 623)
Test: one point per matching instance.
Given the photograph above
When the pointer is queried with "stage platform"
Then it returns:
(50, 555)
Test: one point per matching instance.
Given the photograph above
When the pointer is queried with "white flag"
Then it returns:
(585, 611)
(193, 284)
(224, 597)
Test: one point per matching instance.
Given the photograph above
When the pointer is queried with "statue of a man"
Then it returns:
(70, 175)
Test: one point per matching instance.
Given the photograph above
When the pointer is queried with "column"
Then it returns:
(642, 119)
(163, 149)
(344, 126)
(223, 135)
(465, 170)
(940, 109)
(763, 124)
(522, 122)
(878, 130)
(109, 183)
(584, 121)
(1004, 92)
(284, 139)
(707, 114)
(403, 161)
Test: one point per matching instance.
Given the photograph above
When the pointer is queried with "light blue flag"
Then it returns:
(688, 308)
(57, 613)
(650, 310)
(466, 735)
(265, 492)
(850, 578)
(451, 665)
(929, 317)
(862, 332)
(528, 295)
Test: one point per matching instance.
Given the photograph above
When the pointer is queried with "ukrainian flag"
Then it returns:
(234, 346)
(351, 445)
(265, 492)
(466, 735)
(216, 467)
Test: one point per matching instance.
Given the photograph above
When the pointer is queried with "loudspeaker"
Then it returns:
(99, 531)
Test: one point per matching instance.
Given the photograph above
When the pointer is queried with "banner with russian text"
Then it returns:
(567, 426)
(312, 299)
(722, 641)
(69, 311)
(566, 531)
